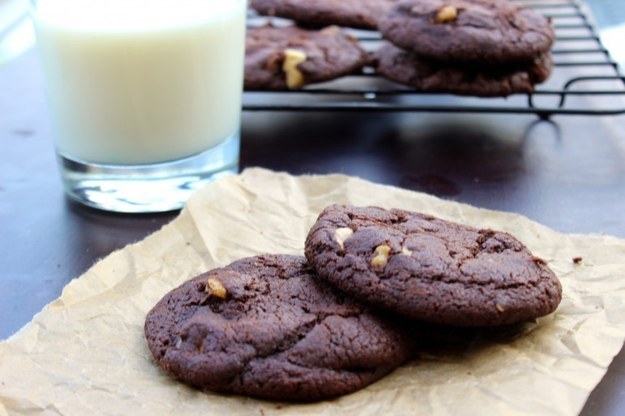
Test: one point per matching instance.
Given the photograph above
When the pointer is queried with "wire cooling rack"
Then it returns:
(585, 79)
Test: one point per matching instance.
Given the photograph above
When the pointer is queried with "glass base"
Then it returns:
(147, 188)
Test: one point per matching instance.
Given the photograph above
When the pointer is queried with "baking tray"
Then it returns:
(585, 79)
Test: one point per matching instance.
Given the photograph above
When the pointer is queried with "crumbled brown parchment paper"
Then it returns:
(85, 352)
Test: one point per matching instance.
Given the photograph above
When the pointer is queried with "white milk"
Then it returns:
(141, 81)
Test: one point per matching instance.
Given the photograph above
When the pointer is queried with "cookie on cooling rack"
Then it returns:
(266, 327)
(362, 14)
(429, 269)
(478, 80)
(279, 58)
(490, 32)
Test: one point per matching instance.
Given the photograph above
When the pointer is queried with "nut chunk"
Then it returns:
(342, 234)
(446, 14)
(215, 288)
(381, 256)
(292, 58)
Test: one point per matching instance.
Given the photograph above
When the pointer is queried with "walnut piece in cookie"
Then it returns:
(381, 256)
(292, 58)
(216, 288)
(445, 14)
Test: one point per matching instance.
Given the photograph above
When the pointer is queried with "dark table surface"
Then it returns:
(569, 176)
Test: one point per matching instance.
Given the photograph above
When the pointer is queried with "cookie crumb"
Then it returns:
(577, 259)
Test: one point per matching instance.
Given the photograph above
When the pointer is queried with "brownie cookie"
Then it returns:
(290, 57)
(265, 327)
(485, 31)
(430, 269)
(362, 14)
(482, 81)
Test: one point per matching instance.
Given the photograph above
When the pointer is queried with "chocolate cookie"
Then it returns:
(290, 57)
(265, 327)
(429, 269)
(486, 31)
(475, 80)
(361, 14)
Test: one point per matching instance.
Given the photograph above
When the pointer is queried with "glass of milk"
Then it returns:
(144, 96)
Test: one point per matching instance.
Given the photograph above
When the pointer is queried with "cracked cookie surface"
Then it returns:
(484, 31)
(429, 269)
(265, 327)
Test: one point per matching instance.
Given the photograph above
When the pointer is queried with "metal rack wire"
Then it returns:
(585, 80)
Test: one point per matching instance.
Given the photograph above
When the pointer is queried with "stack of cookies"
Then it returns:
(308, 328)
(469, 47)
(482, 48)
